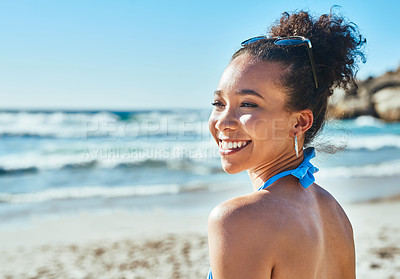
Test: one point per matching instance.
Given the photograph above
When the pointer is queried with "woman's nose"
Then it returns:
(227, 120)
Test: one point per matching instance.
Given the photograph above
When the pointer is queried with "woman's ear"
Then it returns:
(301, 122)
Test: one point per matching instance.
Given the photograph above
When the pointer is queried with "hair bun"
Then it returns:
(337, 45)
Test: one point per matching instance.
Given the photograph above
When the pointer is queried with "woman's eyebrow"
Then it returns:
(218, 92)
(249, 92)
(241, 92)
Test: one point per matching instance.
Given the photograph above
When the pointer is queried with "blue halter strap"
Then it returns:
(304, 172)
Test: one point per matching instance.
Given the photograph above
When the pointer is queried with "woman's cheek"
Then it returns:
(256, 127)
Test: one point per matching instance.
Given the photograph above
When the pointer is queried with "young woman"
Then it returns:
(270, 103)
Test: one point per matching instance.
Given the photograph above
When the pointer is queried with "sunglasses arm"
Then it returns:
(310, 54)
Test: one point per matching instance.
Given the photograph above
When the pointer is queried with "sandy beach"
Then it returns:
(118, 245)
(158, 244)
(377, 235)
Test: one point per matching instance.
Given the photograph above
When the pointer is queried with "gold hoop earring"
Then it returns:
(296, 147)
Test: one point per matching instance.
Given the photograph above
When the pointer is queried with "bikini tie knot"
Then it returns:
(305, 171)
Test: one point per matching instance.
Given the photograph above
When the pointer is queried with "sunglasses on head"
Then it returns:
(289, 41)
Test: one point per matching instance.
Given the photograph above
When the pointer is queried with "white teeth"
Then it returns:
(226, 145)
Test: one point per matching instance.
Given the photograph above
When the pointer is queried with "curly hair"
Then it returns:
(337, 46)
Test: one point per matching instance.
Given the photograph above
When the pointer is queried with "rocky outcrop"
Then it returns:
(387, 103)
(379, 97)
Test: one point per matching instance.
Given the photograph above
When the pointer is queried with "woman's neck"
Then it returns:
(287, 161)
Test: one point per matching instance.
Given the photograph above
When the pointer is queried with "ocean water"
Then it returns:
(64, 162)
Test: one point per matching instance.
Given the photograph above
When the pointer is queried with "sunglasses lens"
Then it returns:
(252, 40)
(289, 42)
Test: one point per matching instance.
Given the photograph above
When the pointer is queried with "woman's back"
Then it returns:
(319, 238)
(294, 233)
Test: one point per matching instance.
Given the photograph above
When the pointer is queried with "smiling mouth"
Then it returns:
(227, 147)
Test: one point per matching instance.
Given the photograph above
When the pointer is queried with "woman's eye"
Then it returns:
(217, 104)
(249, 105)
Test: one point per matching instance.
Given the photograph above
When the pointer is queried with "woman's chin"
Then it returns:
(231, 169)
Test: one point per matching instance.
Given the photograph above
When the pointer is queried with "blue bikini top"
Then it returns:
(304, 172)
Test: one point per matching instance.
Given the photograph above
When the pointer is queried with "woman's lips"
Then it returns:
(232, 146)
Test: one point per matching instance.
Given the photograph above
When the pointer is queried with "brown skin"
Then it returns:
(284, 231)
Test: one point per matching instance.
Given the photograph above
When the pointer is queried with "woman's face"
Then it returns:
(249, 121)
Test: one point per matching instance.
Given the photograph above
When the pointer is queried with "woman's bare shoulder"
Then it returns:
(256, 215)
(238, 239)
(331, 209)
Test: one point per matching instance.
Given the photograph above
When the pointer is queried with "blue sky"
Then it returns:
(137, 54)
